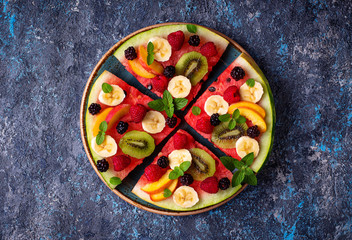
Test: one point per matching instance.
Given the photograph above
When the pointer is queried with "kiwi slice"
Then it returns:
(192, 65)
(137, 144)
(223, 137)
(203, 165)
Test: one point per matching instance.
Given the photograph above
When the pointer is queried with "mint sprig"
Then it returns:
(191, 28)
(150, 50)
(168, 104)
(106, 87)
(179, 170)
(101, 135)
(235, 119)
(250, 82)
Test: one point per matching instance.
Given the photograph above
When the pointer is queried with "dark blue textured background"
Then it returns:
(49, 190)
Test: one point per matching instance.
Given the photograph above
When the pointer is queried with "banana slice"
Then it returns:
(185, 197)
(179, 87)
(107, 149)
(216, 104)
(162, 49)
(177, 157)
(153, 122)
(251, 94)
(245, 145)
(113, 98)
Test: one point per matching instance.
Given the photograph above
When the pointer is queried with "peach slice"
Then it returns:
(139, 70)
(160, 196)
(158, 186)
(250, 105)
(116, 113)
(99, 118)
(254, 117)
(155, 67)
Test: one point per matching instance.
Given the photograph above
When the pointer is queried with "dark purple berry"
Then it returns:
(163, 162)
(122, 127)
(130, 53)
(186, 179)
(94, 108)
(253, 131)
(237, 73)
(169, 71)
(214, 119)
(102, 165)
(194, 40)
(224, 183)
(171, 122)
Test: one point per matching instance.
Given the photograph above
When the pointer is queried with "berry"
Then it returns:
(231, 95)
(214, 119)
(171, 122)
(160, 83)
(163, 162)
(120, 162)
(130, 53)
(180, 141)
(253, 131)
(94, 108)
(176, 40)
(237, 73)
(137, 112)
(224, 183)
(186, 179)
(210, 185)
(122, 127)
(204, 125)
(208, 49)
(153, 172)
(212, 89)
(169, 71)
(194, 40)
(102, 165)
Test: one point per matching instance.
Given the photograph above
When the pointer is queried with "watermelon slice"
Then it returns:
(205, 199)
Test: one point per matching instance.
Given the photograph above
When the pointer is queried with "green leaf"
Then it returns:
(185, 165)
(178, 170)
(103, 126)
(196, 110)
(228, 162)
(157, 105)
(232, 124)
(169, 112)
(237, 178)
(167, 193)
(173, 175)
(150, 48)
(180, 103)
(168, 97)
(251, 179)
(150, 59)
(106, 87)
(248, 171)
(191, 28)
(100, 138)
(236, 114)
(238, 164)
(248, 159)
(241, 120)
(250, 82)
(225, 117)
(115, 181)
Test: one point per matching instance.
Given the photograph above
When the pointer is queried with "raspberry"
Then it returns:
(94, 108)
(163, 162)
(253, 131)
(160, 83)
(237, 73)
(208, 49)
(214, 119)
(194, 40)
(122, 127)
(224, 183)
(186, 179)
(120, 162)
(169, 71)
(180, 141)
(231, 94)
(176, 40)
(102, 165)
(171, 122)
(130, 53)
(210, 185)
(153, 172)
(204, 125)
(137, 112)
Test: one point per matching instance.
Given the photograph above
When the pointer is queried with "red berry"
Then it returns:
(137, 112)
(208, 49)
(120, 162)
(160, 83)
(204, 125)
(210, 185)
(176, 40)
(231, 94)
(153, 172)
(180, 141)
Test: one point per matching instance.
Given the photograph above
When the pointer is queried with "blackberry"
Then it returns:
(122, 127)
(253, 131)
(237, 73)
(150, 87)
(163, 162)
(94, 108)
(214, 119)
(186, 179)
(169, 71)
(194, 40)
(102, 165)
(130, 53)
(224, 183)
(212, 89)
(171, 122)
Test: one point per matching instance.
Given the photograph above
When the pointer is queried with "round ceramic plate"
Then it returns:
(110, 63)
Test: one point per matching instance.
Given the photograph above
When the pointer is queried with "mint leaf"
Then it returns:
(167, 193)
(103, 126)
(228, 162)
(180, 103)
(167, 95)
(157, 105)
(100, 138)
(173, 175)
(250, 82)
(106, 87)
(150, 59)
(251, 179)
(191, 28)
(232, 124)
(225, 117)
(169, 112)
(150, 47)
(236, 114)
(115, 180)
(178, 170)
(238, 164)
(248, 159)
(196, 110)
(248, 171)
(185, 165)
(241, 119)
(237, 178)
(150, 50)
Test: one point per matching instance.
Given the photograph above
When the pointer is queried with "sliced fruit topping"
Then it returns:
(179, 87)
(253, 131)
(121, 127)
(185, 197)
(137, 112)
(216, 104)
(116, 114)
(160, 83)
(204, 125)
(186, 179)
(251, 94)
(232, 95)
(137, 144)
(155, 67)
(250, 105)
(203, 165)
(237, 73)
(171, 122)
(214, 119)
(254, 117)
(180, 141)
(177, 157)
(139, 70)
(120, 162)
(169, 71)
(223, 137)
(130, 53)
(224, 183)
(194, 40)
(210, 185)
(102, 165)
(208, 49)
(192, 65)
(156, 197)
(153, 122)
(113, 98)
(176, 40)
(94, 108)
(107, 149)
(162, 49)
(162, 181)
(163, 162)
(246, 145)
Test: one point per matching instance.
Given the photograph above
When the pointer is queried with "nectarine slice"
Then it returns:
(99, 118)
(254, 117)
(250, 105)
(155, 67)
(139, 70)
(160, 196)
(158, 186)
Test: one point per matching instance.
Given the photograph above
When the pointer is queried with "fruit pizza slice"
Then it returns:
(236, 112)
(174, 57)
(185, 176)
(121, 128)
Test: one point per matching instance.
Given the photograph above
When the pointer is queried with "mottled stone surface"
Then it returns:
(49, 190)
